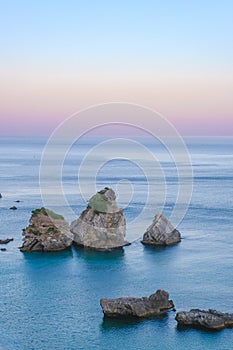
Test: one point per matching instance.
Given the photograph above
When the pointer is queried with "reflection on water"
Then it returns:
(126, 322)
(103, 255)
(35, 256)
(183, 328)
(158, 248)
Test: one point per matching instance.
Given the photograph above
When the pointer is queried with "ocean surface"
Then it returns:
(51, 301)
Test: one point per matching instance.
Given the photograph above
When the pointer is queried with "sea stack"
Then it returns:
(102, 225)
(47, 232)
(161, 232)
(155, 304)
(210, 319)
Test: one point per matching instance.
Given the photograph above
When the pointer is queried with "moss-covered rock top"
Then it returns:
(47, 212)
(99, 202)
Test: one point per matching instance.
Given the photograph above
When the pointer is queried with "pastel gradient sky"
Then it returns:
(60, 56)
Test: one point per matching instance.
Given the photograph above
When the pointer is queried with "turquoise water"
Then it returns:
(51, 301)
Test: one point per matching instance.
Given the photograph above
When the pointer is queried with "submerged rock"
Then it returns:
(137, 307)
(161, 232)
(102, 225)
(210, 319)
(47, 232)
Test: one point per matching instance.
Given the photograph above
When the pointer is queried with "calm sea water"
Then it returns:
(51, 301)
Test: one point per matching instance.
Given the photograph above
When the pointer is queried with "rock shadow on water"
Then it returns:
(109, 323)
(160, 248)
(32, 257)
(100, 254)
(182, 328)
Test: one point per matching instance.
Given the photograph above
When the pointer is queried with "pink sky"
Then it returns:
(35, 102)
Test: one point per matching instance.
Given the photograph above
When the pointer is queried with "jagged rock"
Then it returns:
(210, 319)
(47, 232)
(13, 208)
(137, 307)
(102, 225)
(5, 241)
(161, 232)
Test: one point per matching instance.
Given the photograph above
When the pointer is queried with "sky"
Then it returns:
(57, 57)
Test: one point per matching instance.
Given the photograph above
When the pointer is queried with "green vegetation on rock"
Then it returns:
(37, 233)
(98, 202)
(47, 212)
(51, 229)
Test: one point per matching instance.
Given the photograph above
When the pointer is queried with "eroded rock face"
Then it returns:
(137, 307)
(161, 232)
(210, 319)
(47, 232)
(102, 225)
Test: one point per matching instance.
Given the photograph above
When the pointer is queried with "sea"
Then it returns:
(51, 300)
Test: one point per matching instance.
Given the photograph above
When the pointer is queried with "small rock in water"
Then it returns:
(3, 249)
(13, 208)
(18, 201)
(5, 241)
(0, 195)
(210, 319)
(154, 305)
(161, 232)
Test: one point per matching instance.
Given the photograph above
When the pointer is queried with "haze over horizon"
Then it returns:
(59, 57)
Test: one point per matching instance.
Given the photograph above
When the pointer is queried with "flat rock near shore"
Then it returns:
(210, 319)
(6, 241)
(153, 305)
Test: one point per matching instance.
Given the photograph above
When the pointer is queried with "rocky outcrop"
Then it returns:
(137, 307)
(161, 232)
(102, 225)
(47, 232)
(210, 319)
(5, 241)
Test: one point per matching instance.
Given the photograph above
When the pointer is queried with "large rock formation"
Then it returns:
(161, 232)
(47, 232)
(210, 319)
(102, 225)
(137, 307)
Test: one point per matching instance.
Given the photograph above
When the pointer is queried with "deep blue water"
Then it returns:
(51, 301)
